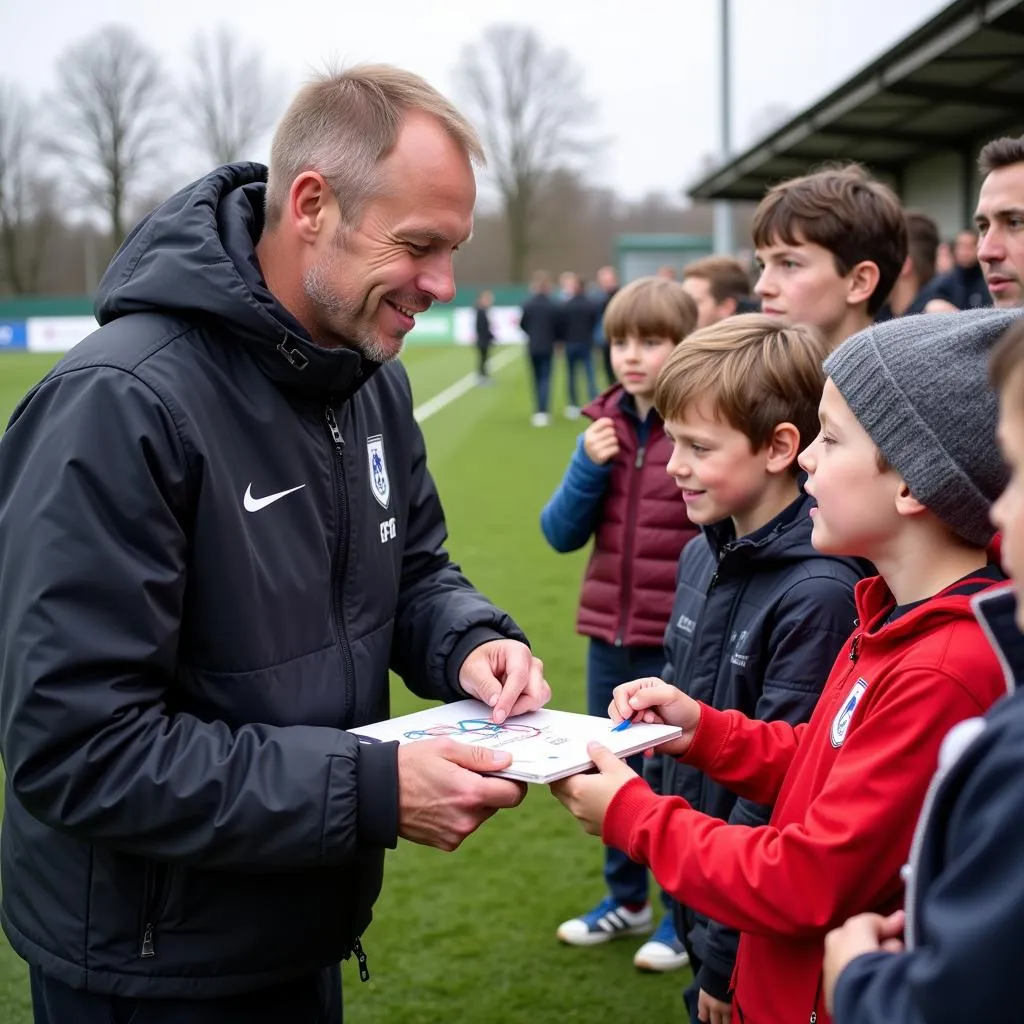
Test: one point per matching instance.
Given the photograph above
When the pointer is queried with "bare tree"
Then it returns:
(109, 117)
(528, 104)
(27, 217)
(229, 98)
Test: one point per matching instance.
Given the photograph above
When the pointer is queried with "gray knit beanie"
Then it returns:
(919, 386)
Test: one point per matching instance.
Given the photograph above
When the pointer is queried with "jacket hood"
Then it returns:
(996, 610)
(875, 601)
(195, 257)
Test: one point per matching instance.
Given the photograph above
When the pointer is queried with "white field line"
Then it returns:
(502, 358)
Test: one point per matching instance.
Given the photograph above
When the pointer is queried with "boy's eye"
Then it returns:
(698, 449)
(789, 264)
(826, 440)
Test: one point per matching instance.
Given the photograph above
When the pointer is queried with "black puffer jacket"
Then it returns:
(215, 539)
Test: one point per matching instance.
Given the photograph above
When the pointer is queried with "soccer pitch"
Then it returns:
(470, 936)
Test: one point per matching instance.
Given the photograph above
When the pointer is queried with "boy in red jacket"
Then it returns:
(904, 483)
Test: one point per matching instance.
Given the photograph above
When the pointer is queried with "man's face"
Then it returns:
(368, 282)
(709, 310)
(799, 284)
(1008, 511)
(1000, 221)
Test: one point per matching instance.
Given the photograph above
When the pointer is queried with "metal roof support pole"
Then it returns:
(723, 226)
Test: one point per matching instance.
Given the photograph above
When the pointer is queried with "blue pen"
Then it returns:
(624, 724)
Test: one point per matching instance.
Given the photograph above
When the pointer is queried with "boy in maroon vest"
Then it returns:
(616, 490)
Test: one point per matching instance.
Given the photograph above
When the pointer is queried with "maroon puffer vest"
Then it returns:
(630, 580)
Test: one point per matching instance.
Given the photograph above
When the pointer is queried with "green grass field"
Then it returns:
(469, 936)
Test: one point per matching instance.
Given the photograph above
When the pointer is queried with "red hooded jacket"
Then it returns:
(630, 581)
(847, 788)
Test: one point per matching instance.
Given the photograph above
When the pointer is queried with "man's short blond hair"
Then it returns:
(344, 123)
(650, 307)
(754, 374)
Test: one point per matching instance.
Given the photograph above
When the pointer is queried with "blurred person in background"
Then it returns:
(718, 285)
(607, 286)
(484, 334)
(539, 321)
(579, 316)
(963, 287)
(910, 294)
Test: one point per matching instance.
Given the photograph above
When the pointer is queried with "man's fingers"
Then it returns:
(475, 758)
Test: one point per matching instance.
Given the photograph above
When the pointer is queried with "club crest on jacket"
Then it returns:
(841, 723)
(380, 485)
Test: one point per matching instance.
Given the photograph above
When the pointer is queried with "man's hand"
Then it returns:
(506, 676)
(442, 797)
(586, 796)
(865, 933)
(712, 1010)
(600, 442)
(654, 700)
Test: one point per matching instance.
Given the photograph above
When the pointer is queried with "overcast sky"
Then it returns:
(650, 65)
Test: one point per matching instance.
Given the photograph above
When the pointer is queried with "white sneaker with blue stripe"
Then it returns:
(662, 951)
(608, 920)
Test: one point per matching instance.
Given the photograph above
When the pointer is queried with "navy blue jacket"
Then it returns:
(965, 879)
(541, 323)
(756, 626)
(180, 655)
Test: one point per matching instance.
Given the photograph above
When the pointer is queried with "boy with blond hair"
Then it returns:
(831, 246)
(759, 615)
(902, 483)
(616, 491)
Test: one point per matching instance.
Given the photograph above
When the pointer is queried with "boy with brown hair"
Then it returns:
(616, 491)
(831, 245)
(759, 615)
(718, 284)
(900, 482)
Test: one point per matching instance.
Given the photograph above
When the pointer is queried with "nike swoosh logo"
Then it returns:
(255, 504)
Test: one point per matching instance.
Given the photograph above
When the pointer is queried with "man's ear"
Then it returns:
(728, 306)
(783, 448)
(309, 202)
(906, 503)
(862, 282)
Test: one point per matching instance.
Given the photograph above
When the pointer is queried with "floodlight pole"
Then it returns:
(723, 240)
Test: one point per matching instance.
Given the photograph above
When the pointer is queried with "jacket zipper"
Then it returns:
(364, 970)
(153, 893)
(627, 547)
(340, 554)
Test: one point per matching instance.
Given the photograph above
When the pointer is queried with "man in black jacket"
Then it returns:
(217, 534)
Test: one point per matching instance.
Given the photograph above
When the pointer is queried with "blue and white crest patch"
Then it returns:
(841, 723)
(380, 485)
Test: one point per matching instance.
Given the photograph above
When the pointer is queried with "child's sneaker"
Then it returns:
(663, 951)
(608, 920)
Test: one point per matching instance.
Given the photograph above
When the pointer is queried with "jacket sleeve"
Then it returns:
(568, 519)
(973, 916)
(810, 625)
(845, 853)
(95, 509)
(440, 617)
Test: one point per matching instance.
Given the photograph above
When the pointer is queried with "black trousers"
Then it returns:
(314, 999)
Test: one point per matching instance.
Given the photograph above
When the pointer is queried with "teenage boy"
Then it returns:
(964, 923)
(831, 246)
(718, 284)
(902, 483)
(759, 614)
(616, 490)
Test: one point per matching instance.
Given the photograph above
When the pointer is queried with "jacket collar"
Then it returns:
(996, 610)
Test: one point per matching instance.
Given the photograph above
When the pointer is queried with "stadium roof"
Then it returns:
(956, 81)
